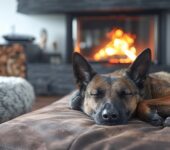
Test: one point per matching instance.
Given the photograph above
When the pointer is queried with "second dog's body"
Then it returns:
(114, 98)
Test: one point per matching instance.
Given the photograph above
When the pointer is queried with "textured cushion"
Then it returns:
(16, 97)
(57, 127)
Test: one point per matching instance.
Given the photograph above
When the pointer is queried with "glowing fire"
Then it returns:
(119, 49)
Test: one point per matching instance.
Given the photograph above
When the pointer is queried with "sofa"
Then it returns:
(57, 127)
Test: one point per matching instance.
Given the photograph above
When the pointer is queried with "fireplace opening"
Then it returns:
(114, 39)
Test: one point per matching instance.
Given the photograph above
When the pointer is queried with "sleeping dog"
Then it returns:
(116, 97)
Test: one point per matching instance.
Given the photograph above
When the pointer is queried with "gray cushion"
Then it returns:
(16, 97)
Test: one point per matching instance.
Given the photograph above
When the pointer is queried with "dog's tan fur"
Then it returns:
(160, 84)
(160, 93)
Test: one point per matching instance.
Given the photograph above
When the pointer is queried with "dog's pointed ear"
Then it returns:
(83, 72)
(139, 69)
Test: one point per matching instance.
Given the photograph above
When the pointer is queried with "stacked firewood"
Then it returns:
(12, 60)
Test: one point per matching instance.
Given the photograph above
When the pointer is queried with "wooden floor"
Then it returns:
(42, 101)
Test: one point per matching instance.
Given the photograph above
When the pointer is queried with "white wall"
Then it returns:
(32, 24)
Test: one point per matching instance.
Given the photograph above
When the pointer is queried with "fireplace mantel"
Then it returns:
(76, 6)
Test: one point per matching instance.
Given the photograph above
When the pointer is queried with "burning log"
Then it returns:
(118, 47)
(12, 60)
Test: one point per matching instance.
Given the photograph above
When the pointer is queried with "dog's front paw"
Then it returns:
(149, 115)
(167, 122)
(156, 120)
(76, 101)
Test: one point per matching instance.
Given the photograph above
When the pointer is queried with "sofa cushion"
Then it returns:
(57, 127)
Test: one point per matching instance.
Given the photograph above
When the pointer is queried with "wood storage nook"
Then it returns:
(12, 60)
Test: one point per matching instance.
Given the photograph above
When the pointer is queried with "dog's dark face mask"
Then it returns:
(110, 99)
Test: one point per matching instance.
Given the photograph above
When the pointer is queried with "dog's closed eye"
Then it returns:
(124, 93)
(99, 93)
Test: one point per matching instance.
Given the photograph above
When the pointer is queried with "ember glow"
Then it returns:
(119, 49)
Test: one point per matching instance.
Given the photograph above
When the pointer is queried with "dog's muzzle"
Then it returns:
(108, 115)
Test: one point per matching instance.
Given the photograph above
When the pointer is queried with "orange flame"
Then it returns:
(120, 48)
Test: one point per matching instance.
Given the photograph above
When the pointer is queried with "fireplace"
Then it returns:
(111, 31)
(116, 39)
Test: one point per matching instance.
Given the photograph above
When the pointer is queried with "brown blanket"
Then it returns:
(57, 127)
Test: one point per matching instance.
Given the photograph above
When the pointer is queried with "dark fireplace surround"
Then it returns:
(159, 47)
(86, 8)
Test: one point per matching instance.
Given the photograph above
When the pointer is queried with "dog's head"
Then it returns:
(112, 98)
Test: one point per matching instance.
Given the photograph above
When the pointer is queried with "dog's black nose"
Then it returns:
(109, 113)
